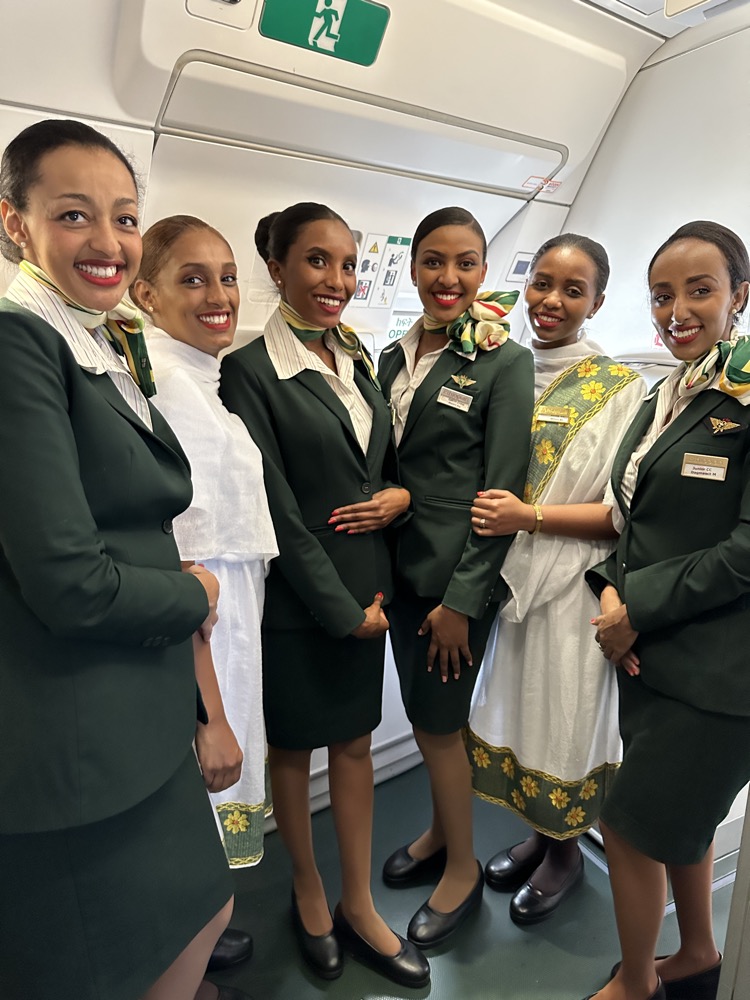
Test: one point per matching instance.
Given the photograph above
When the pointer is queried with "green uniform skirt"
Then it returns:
(430, 704)
(99, 912)
(319, 690)
(682, 769)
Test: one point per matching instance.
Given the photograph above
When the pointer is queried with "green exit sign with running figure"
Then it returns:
(345, 29)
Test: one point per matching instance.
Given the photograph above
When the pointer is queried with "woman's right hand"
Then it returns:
(375, 623)
(211, 585)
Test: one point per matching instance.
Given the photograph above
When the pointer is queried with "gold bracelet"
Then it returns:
(539, 519)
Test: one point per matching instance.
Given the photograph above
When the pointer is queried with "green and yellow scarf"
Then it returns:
(482, 326)
(344, 336)
(122, 326)
(732, 357)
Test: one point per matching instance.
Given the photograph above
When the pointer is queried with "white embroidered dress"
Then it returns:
(227, 528)
(543, 729)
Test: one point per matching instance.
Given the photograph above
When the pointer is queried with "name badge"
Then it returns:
(457, 400)
(553, 415)
(705, 466)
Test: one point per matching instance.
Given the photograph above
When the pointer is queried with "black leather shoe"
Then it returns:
(503, 874)
(428, 928)
(408, 968)
(700, 986)
(402, 869)
(322, 952)
(530, 905)
(232, 948)
(659, 994)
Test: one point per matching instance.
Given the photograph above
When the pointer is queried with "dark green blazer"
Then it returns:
(312, 463)
(445, 456)
(97, 684)
(682, 564)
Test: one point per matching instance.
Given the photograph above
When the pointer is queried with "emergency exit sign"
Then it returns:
(345, 29)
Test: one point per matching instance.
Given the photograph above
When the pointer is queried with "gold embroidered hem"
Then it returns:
(242, 827)
(578, 394)
(557, 808)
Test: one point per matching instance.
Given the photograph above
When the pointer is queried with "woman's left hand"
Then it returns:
(499, 512)
(449, 640)
(219, 754)
(371, 515)
(614, 633)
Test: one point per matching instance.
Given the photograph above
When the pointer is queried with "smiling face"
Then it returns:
(195, 297)
(319, 274)
(80, 225)
(448, 269)
(692, 302)
(560, 296)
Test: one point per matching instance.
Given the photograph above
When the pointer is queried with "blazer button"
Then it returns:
(366, 487)
(166, 526)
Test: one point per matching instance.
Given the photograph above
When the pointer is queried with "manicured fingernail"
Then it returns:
(593, 621)
(480, 493)
(420, 632)
(445, 679)
(333, 513)
(340, 527)
(379, 596)
(331, 520)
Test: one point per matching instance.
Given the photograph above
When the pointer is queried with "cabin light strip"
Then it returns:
(357, 97)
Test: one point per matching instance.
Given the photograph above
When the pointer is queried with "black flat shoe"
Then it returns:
(700, 986)
(408, 968)
(530, 905)
(429, 928)
(232, 948)
(659, 994)
(503, 874)
(322, 952)
(230, 993)
(401, 868)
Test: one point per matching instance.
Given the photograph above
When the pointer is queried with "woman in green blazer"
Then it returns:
(462, 396)
(675, 616)
(102, 806)
(308, 395)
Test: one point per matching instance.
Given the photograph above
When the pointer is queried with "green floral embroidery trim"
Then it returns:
(583, 389)
(557, 808)
(242, 825)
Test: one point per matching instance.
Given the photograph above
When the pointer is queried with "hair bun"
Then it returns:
(263, 235)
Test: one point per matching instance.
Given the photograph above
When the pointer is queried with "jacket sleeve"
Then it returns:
(476, 579)
(678, 589)
(48, 535)
(303, 561)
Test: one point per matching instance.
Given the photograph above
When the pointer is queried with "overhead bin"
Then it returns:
(273, 111)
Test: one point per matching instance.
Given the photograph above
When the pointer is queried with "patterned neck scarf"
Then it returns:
(482, 326)
(732, 358)
(344, 336)
(122, 326)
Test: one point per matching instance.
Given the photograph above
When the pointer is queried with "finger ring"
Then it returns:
(482, 522)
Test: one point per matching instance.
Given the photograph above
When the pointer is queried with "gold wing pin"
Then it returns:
(720, 425)
(462, 381)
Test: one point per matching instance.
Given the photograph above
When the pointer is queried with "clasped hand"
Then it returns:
(371, 515)
(219, 754)
(449, 640)
(500, 512)
(375, 623)
(614, 633)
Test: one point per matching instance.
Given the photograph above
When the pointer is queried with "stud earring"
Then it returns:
(150, 309)
(22, 244)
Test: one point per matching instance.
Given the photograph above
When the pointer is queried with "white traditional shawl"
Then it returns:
(539, 567)
(229, 516)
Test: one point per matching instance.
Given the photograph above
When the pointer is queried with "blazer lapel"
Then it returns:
(381, 424)
(106, 387)
(317, 385)
(641, 422)
(700, 407)
(449, 363)
(391, 363)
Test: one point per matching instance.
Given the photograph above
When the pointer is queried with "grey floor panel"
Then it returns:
(565, 958)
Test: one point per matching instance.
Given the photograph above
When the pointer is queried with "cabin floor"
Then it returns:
(565, 958)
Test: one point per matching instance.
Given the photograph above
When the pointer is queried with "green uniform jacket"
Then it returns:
(445, 456)
(312, 463)
(97, 683)
(682, 565)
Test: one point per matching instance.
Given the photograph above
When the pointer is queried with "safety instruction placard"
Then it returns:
(381, 264)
